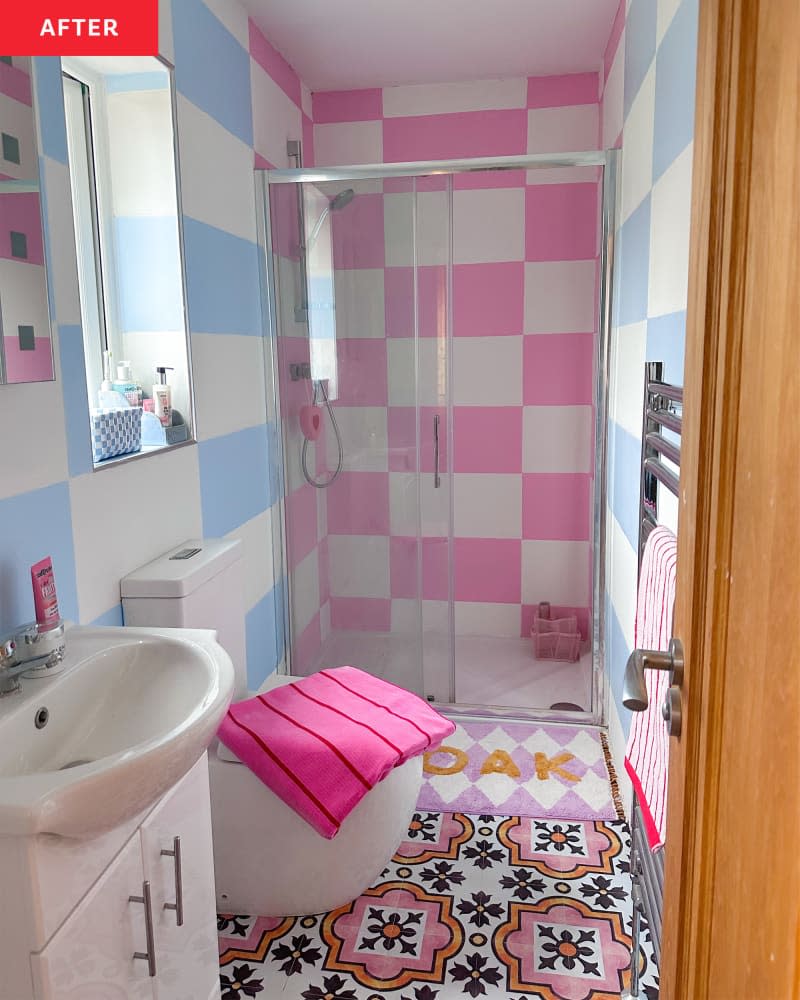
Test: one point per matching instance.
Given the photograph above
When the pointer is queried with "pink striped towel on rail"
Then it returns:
(647, 753)
(324, 741)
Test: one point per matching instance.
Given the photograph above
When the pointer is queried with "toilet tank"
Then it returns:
(198, 584)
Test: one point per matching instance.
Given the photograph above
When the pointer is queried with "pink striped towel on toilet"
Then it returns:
(647, 753)
(323, 742)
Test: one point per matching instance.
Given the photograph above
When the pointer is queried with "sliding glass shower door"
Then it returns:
(441, 373)
(352, 409)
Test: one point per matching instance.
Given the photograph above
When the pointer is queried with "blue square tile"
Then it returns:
(625, 482)
(633, 276)
(149, 279)
(222, 281)
(264, 632)
(676, 70)
(235, 483)
(211, 68)
(76, 400)
(666, 341)
(50, 107)
(34, 525)
(640, 47)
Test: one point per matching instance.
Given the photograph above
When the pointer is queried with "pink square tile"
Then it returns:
(487, 439)
(306, 647)
(403, 566)
(276, 67)
(361, 614)
(561, 91)
(488, 299)
(324, 571)
(460, 134)
(435, 569)
(330, 106)
(557, 369)
(488, 570)
(529, 611)
(301, 523)
(20, 213)
(29, 366)
(15, 83)
(358, 233)
(556, 506)
(613, 39)
(362, 372)
(358, 504)
(431, 301)
(561, 221)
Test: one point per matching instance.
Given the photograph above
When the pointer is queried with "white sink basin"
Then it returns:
(131, 712)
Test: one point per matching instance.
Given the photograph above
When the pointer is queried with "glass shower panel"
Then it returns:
(525, 323)
(351, 522)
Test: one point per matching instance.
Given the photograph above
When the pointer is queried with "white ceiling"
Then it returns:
(348, 44)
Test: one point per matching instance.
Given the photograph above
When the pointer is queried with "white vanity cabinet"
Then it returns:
(91, 954)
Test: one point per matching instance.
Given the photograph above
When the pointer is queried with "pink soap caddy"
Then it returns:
(555, 638)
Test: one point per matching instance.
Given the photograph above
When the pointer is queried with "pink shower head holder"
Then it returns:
(311, 422)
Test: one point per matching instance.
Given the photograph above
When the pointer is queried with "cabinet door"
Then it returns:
(90, 957)
(188, 965)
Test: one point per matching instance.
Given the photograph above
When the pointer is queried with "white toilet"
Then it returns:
(267, 860)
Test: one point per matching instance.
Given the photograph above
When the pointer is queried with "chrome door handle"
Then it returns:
(148, 956)
(177, 906)
(634, 691)
(437, 479)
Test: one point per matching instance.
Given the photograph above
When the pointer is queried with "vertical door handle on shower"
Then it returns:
(437, 479)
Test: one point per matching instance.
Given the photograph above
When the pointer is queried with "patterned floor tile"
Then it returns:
(506, 908)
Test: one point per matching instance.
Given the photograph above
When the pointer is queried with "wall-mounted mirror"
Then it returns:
(121, 141)
(26, 352)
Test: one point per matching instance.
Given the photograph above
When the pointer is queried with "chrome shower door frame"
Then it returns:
(608, 162)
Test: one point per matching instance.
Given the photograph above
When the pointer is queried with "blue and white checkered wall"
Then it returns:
(98, 526)
(650, 278)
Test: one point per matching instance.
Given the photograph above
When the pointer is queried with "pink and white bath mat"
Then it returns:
(520, 769)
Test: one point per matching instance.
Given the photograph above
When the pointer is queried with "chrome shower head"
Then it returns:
(342, 199)
(339, 201)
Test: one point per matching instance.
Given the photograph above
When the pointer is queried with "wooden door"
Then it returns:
(732, 896)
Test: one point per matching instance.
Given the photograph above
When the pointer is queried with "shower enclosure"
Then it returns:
(439, 364)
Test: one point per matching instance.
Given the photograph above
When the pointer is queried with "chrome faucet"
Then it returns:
(30, 648)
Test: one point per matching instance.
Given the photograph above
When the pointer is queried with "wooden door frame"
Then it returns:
(728, 169)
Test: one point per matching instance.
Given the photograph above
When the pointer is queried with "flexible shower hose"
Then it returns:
(325, 483)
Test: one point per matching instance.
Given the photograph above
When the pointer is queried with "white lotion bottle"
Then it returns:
(162, 396)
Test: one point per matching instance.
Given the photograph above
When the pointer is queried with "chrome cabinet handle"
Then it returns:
(148, 956)
(177, 906)
(437, 480)
(634, 690)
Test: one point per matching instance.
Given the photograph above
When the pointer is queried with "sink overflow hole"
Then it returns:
(42, 716)
(76, 763)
